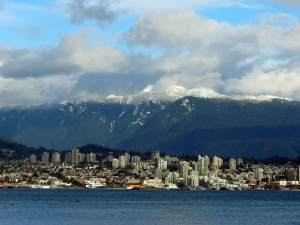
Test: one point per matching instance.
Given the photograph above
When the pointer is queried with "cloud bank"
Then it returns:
(163, 48)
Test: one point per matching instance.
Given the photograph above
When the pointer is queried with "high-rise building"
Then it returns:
(56, 157)
(291, 174)
(184, 169)
(81, 157)
(45, 157)
(298, 173)
(91, 157)
(154, 155)
(259, 173)
(115, 163)
(203, 163)
(169, 178)
(75, 156)
(122, 161)
(32, 158)
(193, 178)
(135, 159)
(232, 164)
(68, 157)
(158, 173)
(220, 162)
(127, 158)
(215, 161)
(239, 161)
(160, 163)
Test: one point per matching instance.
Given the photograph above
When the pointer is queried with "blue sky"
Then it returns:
(57, 51)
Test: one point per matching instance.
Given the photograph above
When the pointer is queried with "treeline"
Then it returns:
(22, 151)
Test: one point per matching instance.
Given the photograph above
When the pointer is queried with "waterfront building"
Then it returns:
(291, 174)
(45, 157)
(55, 157)
(298, 173)
(32, 158)
(157, 183)
(193, 178)
(259, 173)
(176, 176)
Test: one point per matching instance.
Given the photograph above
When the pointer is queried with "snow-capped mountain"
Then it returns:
(174, 93)
(174, 120)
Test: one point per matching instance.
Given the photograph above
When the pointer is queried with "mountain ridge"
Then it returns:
(149, 120)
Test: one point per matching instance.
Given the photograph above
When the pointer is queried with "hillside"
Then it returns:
(204, 123)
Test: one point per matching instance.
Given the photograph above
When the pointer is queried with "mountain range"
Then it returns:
(175, 121)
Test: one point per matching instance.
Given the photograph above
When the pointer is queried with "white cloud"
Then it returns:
(72, 56)
(280, 82)
(293, 3)
(192, 51)
(35, 90)
(210, 47)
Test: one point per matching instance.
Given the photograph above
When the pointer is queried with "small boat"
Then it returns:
(3, 186)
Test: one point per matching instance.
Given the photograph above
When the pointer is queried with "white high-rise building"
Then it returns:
(91, 157)
(122, 161)
(45, 157)
(259, 173)
(32, 158)
(55, 157)
(184, 170)
(193, 178)
(203, 163)
(127, 158)
(115, 163)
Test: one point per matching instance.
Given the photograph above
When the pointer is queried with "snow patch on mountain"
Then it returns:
(114, 98)
(174, 93)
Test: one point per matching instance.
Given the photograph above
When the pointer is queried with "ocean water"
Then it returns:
(88, 207)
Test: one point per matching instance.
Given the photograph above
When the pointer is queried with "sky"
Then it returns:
(66, 50)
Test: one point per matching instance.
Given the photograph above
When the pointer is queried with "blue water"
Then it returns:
(88, 207)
